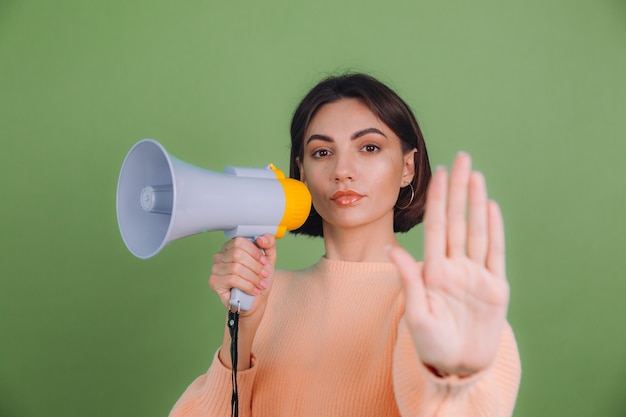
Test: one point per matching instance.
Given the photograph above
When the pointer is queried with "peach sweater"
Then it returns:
(333, 343)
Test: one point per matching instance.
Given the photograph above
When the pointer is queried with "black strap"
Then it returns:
(233, 327)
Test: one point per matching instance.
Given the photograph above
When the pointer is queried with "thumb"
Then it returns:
(410, 274)
(267, 243)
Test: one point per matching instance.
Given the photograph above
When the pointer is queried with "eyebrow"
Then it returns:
(356, 135)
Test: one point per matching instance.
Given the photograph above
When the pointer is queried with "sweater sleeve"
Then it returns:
(490, 393)
(210, 394)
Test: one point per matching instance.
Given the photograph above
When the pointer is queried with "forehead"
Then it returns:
(344, 116)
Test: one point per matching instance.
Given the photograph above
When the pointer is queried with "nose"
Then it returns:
(345, 168)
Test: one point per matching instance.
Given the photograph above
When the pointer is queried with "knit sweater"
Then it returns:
(333, 342)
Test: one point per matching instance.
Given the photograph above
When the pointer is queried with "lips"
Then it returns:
(346, 198)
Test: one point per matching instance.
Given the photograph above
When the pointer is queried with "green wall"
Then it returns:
(534, 90)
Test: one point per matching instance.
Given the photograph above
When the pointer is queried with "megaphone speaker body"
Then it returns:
(161, 198)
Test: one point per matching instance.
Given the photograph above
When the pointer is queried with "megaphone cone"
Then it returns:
(161, 199)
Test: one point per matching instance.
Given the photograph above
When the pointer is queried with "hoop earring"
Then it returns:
(410, 201)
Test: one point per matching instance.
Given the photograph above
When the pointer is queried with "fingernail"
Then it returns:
(264, 284)
(388, 248)
(264, 260)
(265, 273)
(257, 291)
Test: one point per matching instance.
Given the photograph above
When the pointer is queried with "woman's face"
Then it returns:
(353, 165)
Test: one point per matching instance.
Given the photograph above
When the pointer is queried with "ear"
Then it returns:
(301, 169)
(408, 170)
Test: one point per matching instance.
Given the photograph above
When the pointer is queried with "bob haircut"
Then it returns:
(391, 110)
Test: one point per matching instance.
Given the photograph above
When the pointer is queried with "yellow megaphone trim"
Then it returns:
(297, 202)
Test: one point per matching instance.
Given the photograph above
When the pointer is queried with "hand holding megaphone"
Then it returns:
(161, 199)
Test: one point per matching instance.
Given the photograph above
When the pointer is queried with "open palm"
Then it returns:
(457, 299)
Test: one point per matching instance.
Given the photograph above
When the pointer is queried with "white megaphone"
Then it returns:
(161, 199)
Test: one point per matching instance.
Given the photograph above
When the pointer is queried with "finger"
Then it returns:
(223, 285)
(245, 244)
(267, 243)
(477, 231)
(241, 257)
(435, 216)
(457, 205)
(245, 253)
(410, 275)
(495, 255)
(226, 275)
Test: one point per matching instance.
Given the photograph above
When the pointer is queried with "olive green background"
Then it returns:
(534, 90)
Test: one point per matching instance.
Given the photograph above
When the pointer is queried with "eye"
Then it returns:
(320, 153)
(370, 148)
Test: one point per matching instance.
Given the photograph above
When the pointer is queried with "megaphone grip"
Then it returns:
(239, 299)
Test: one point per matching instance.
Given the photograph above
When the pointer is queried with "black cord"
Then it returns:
(233, 327)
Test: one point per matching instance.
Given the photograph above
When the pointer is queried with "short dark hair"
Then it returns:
(392, 111)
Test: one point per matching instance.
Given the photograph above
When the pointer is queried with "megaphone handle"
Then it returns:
(239, 299)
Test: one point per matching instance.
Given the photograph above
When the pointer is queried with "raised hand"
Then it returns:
(457, 299)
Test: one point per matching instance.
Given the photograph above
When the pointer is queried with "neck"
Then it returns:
(358, 244)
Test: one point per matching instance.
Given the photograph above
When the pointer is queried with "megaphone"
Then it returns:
(161, 198)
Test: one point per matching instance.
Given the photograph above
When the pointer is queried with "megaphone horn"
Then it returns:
(161, 198)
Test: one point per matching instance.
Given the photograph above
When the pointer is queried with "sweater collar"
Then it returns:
(331, 267)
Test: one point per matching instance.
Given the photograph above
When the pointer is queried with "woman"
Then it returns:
(367, 330)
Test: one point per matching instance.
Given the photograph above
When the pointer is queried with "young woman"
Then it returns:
(367, 330)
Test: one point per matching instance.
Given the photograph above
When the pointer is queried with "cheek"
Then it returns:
(387, 171)
(385, 188)
(312, 179)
